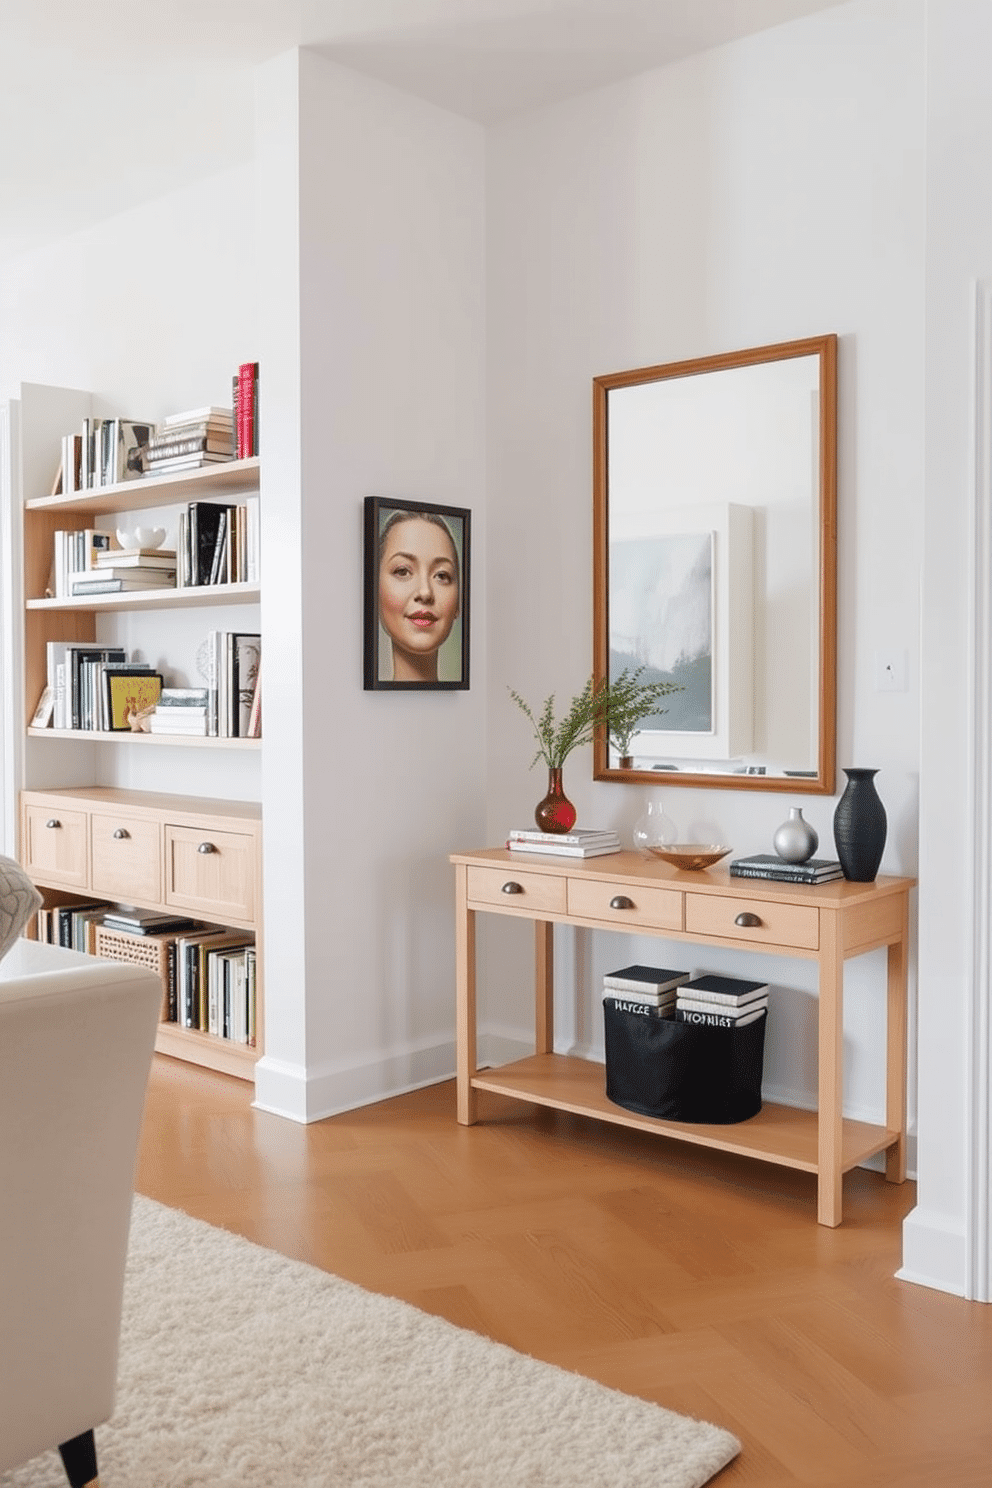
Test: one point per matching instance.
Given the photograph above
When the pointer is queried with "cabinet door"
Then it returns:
(55, 845)
(211, 873)
(126, 856)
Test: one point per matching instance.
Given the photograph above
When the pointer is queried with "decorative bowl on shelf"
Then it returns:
(689, 854)
(141, 537)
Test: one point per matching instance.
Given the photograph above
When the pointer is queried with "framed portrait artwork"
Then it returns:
(416, 595)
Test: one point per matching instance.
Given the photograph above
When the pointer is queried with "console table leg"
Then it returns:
(465, 1009)
(830, 1122)
(895, 1061)
(544, 987)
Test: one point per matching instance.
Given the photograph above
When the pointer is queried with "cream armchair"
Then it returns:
(76, 1038)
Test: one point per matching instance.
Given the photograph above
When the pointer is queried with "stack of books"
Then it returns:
(648, 990)
(127, 571)
(720, 1001)
(244, 395)
(185, 441)
(581, 842)
(145, 921)
(180, 710)
(770, 865)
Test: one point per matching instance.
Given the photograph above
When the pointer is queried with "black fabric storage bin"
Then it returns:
(681, 1071)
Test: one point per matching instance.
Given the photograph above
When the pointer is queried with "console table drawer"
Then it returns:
(56, 845)
(628, 906)
(765, 923)
(126, 858)
(532, 892)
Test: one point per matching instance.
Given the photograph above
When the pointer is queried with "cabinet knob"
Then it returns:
(53, 822)
(512, 888)
(122, 832)
(620, 901)
(206, 847)
(747, 919)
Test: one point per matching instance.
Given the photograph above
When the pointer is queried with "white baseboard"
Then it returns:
(934, 1253)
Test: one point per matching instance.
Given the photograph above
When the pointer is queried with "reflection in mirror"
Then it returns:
(715, 564)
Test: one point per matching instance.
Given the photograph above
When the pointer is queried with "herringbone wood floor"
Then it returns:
(694, 1279)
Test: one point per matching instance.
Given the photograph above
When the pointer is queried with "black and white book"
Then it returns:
(645, 979)
(647, 999)
(705, 1019)
(770, 865)
(121, 558)
(620, 1004)
(145, 921)
(183, 697)
(727, 990)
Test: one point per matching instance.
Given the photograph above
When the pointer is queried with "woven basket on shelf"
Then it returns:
(140, 950)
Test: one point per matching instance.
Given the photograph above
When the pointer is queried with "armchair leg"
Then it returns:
(79, 1460)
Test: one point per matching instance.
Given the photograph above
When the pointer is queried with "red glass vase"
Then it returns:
(556, 812)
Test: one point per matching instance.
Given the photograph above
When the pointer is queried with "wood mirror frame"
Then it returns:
(817, 444)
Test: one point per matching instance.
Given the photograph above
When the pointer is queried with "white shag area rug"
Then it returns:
(242, 1369)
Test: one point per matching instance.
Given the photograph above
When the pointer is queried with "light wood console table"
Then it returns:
(625, 891)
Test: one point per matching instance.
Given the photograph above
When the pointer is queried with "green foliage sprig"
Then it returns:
(618, 706)
(556, 738)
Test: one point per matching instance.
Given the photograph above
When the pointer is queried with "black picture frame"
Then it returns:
(400, 640)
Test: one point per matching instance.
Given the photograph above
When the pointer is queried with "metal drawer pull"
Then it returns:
(206, 847)
(52, 822)
(122, 832)
(748, 919)
(620, 901)
(512, 888)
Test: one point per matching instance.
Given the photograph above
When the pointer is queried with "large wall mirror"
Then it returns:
(715, 565)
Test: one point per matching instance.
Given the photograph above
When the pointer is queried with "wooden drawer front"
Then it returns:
(210, 873)
(126, 856)
(636, 906)
(779, 924)
(538, 893)
(55, 845)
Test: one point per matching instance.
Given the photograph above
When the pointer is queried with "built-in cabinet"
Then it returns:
(78, 831)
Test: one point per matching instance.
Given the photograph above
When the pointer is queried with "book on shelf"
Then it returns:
(770, 865)
(183, 697)
(652, 980)
(621, 1003)
(245, 392)
(123, 558)
(134, 921)
(708, 1019)
(564, 849)
(578, 835)
(132, 581)
(197, 416)
(255, 712)
(178, 721)
(727, 991)
(232, 661)
(646, 999)
(247, 654)
(191, 439)
(75, 554)
(166, 465)
(122, 448)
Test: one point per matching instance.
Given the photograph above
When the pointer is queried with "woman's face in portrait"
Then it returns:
(418, 594)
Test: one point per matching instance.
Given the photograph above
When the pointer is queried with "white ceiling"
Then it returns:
(101, 101)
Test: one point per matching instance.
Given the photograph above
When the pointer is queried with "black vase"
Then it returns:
(860, 827)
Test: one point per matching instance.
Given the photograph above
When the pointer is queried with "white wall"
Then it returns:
(770, 190)
(388, 256)
(947, 1237)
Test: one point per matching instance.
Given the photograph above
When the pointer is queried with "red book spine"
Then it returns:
(246, 410)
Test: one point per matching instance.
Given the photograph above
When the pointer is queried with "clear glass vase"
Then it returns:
(654, 829)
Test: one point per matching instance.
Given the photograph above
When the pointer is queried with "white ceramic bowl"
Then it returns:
(141, 537)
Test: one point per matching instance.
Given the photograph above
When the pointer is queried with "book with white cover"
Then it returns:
(725, 989)
(577, 836)
(653, 979)
(565, 850)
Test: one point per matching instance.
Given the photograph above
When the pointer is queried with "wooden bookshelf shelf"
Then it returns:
(98, 736)
(206, 484)
(195, 596)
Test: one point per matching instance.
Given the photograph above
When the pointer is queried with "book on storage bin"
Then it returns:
(145, 921)
(645, 980)
(704, 1019)
(722, 991)
(620, 1002)
(770, 865)
(581, 842)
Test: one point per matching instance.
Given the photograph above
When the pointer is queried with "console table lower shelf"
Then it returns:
(778, 1134)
